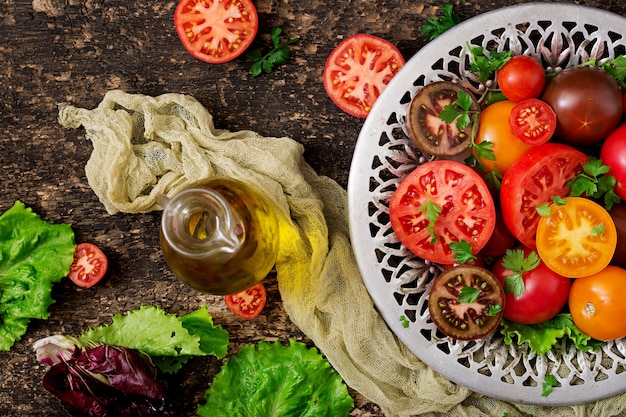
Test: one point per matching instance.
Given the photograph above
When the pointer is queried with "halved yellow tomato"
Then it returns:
(577, 239)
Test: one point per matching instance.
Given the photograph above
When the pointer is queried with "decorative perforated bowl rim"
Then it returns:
(559, 35)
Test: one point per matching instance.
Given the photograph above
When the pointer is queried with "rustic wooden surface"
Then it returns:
(74, 51)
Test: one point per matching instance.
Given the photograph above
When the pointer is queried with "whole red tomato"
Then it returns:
(613, 154)
(521, 78)
(545, 293)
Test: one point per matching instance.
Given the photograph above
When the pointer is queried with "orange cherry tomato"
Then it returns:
(598, 305)
(577, 239)
(494, 128)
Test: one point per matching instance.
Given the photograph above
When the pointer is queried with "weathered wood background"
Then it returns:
(75, 51)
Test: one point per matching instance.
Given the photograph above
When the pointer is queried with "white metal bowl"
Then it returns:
(560, 35)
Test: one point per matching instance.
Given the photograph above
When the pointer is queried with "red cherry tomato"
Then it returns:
(358, 70)
(216, 31)
(613, 155)
(521, 78)
(248, 303)
(538, 175)
(545, 293)
(467, 211)
(89, 266)
(533, 121)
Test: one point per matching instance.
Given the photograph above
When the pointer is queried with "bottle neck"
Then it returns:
(199, 222)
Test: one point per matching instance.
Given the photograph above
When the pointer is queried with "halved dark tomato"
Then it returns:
(248, 303)
(538, 175)
(467, 211)
(533, 121)
(466, 319)
(358, 70)
(216, 31)
(428, 131)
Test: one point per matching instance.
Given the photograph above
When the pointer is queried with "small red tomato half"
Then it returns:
(613, 155)
(521, 78)
(89, 266)
(248, 303)
(216, 31)
(358, 70)
(533, 121)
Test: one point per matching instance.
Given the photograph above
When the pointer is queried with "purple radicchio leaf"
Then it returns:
(104, 381)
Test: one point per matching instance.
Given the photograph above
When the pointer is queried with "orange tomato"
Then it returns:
(494, 128)
(577, 239)
(598, 305)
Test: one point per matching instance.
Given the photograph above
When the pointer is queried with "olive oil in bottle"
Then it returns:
(219, 236)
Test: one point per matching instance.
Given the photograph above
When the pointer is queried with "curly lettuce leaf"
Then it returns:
(169, 340)
(541, 337)
(271, 379)
(34, 254)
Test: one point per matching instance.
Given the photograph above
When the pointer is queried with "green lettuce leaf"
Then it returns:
(169, 340)
(541, 337)
(34, 254)
(271, 379)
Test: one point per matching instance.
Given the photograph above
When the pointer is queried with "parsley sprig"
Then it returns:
(431, 212)
(485, 63)
(437, 25)
(462, 251)
(615, 67)
(265, 63)
(595, 182)
(516, 261)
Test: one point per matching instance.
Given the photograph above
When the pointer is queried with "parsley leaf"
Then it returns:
(437, 25)
(485, 63)
(462, 251)
(595, 182)
(494, 310)
(431, 213)
(404, 321)
(265, 63)
(548, 383)
(516, 261)
(597, 230)
(468, 295)
(617, 68)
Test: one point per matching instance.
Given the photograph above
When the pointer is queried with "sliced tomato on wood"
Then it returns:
(216, 31)
(533, 121)
(89, 266)
(538, 175)
(358, 70)
(248, 303)
(467, 211)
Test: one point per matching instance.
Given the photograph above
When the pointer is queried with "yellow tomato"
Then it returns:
(494, 128)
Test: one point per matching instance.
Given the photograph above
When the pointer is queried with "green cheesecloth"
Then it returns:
(144, 146)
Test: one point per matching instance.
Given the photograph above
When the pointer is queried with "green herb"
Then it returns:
(34, 255)
(595, 182)
(549, 382)
(468, 295)
(545, 209)
(459, 111)
(169, 340)
(272, 379)
(494, 310)
(516, 261)
(597, 230)
(277, 56)
(485, 63)
(431, 213)
(617, 68)
(404, 321)
(542, 336)
(437, 25)
(462, 251)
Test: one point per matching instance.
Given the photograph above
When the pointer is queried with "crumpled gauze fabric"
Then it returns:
(144, 146)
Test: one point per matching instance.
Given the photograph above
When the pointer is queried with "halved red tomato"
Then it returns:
(248, 303)
(538, 175)
(533, 121)
(358, 70)
(577, 239)
(466, 210)
(216, 31)
(89, 266)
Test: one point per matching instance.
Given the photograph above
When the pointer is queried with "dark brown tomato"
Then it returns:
(462, 319)
(588, 103)
(618, 214)
(427, 130)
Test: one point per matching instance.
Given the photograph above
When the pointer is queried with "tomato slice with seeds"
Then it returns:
(577, 239)
(89, 266)
(539, 174)
(358, 70)
(216, 31)
(248, 303)
(533, 121)
(467, 211)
